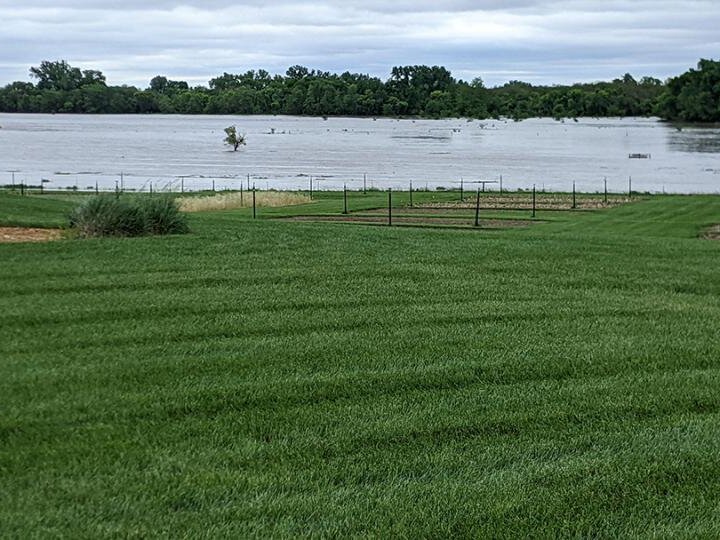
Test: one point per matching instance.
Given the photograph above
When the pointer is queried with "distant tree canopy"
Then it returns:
(693, 96)
(61, 76)
(427, 91)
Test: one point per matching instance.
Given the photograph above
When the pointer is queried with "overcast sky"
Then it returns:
(538, 41)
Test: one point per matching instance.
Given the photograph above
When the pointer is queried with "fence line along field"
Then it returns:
(274, 378)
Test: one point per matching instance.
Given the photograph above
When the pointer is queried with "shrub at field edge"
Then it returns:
(107, 215)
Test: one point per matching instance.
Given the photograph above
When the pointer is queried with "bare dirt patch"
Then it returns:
(28, 234)
(713, 233)
(420, 220)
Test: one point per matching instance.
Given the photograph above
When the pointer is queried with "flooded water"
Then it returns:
(167, 152)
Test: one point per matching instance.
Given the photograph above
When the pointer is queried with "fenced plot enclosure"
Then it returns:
(457, 207)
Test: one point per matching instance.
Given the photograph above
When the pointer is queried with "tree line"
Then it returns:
(425, 91)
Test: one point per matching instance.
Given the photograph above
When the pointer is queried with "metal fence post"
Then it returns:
(390, 207)
(533, 201)
(605, 182)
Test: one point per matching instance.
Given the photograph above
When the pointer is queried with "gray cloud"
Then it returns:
(538, 41)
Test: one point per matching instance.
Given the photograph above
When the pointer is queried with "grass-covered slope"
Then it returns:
(35, 211)
(267, 378)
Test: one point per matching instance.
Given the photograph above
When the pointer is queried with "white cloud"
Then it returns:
(534, 40)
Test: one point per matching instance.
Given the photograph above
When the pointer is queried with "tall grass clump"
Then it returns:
(163, 216)
(107, 215)
(234, 200)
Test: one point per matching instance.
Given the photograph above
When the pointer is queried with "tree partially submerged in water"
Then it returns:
(232, 138)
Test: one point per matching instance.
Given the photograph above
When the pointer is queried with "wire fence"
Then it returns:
(132, 183)
(455, 203)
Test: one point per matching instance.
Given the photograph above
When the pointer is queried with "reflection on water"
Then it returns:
(283, 152)
(694, 139)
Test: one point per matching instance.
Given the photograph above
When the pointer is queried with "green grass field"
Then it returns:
(266, 378)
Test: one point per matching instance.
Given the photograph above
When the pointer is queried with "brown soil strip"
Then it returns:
(419, 220)
(25, 234)
(713, 233)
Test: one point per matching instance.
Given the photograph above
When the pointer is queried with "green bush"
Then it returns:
(162, 216)
(108, 215)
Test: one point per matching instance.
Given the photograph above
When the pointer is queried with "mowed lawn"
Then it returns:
(280, 379)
